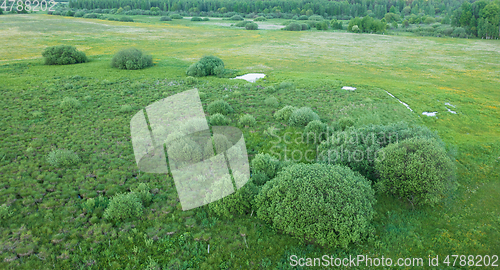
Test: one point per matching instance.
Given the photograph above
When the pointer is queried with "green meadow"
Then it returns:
(46, 226)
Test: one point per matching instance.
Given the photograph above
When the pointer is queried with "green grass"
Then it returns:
(46, 201)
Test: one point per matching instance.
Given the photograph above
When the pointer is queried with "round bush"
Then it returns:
(265, 163)
(293, 27)
(304, 18)
(260, 19)
(237, 18)
(123, 206)
(301, 117)
(91, 16)
(286, 85)
(191, 81)
(242, 24)
(206, 19)
(79, 14)
(251, 26)
(272, 102)
(218, 120)
(417, 170)
(326, 204)
(165, 18)
(62, 157)
(344, 123)
(63, 55)
(247, 120)
(183, 151)
(219, 106)
(270, 89)
(316, 18)
(284, 113)
(315, 132)
(131, 59)
(305, 26)
(176, 16)
(196, 19)
(205, 67)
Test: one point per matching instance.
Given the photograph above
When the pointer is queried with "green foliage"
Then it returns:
(242, 23)
(63, 55)
(251, 26)
(309, 202)
(126, 19)
(165, 18)
(260, 178)
(272, 102)
(239, 202)
(315, 132)
(206, 19)
(191, 80)
(284, 113)
(143, 193)
(323, 25)
(131, 59)
(208, 65)
(196, 19)
(358, 148)
(247, 120)
(260, 19)
(265, 163)
(184, 151)
(294, 27)
(62, 157)
(302, 116)
(344, 123)
(220, 106)
(270, 89)
(124, 206)
(316, 18)
(69, 103)
(5, 213)
(417, 170)
(286, 85)
(218, 120)
(126, 108)
(366, 24)
(176, 16)
(236, 18)
(304, 18)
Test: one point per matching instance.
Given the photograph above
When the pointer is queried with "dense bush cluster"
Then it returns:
(131, 59)
(63, 55)
(165, 18)
(251, 26)
(308, 201)
(284, 113)
(219, 106)
(366, 24)
(296, 27)
(124, 206)
(302, 116)
(417, 170)
(315, 132)
(247, 120)
(206, 66)
(218, 120)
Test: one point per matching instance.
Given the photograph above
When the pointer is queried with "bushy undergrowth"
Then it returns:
(176, 16)
(284, 113)
(218, 120)
(417, 170)
(247, 120)
(196, 19)
(220, 106)
(165, 18)
(308, 201)
(302, 116)
(265, 163)
(315, 132)
(131, 59)
(63, 55)
(124, 206)
(251, 26)
(69, 103)
(272, 102)
(62, 157)
(206, 66)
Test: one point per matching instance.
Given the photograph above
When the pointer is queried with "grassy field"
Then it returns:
(48, 228)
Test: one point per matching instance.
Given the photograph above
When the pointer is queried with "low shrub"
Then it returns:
(270, 89)
(272, 102)
(417, 170)
(196, 19)
(315, 132)
(63, 55)
(286, 85)
(219, 106)
(126, 19)
(251, 26)
(131, 59)
(165, 18)
(265, 163)
(303, 18)
(309, 202)
(176, 16)
(69, 103)
(247, 120)
(293, 27)
(242, 24)
(343, 123)
(91, 16)
(260, 19)
(206, 19)
(237, 18)
(206, 66)
(301, 117)
(123, 206)
(218, 120)
(126, 108)
(191, 80)
(316, 18)
(284, 113)
(62, 157)
(79, 14)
